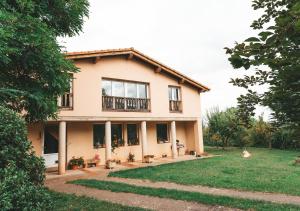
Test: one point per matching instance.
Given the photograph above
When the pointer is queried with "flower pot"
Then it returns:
(111, 164)
(74, 167)
(148, 159)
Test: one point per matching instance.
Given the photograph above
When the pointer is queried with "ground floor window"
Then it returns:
(162, 133)
(117, 135)
(99, 134)
(132, 134)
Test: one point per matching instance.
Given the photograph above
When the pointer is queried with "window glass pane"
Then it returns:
(106, 88)
(118, 89)
(116, 135)
(99, 134)
(162, 133)
(142, 91)
(132, 134)
(177, 94)
(170, 93)
(131, 90)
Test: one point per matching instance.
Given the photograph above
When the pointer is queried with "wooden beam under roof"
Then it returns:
(158, 70)
(96, 59)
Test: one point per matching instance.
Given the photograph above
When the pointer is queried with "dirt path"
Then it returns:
(271, 197)
(129, 199)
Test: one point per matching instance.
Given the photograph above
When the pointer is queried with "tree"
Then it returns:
(33, 70)
(275, 54)
(21, 172)
(223, 125)
(260, 133)
(33, 73)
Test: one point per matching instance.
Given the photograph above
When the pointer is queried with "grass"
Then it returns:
(266, 171)
(185, 195)
(70, 202)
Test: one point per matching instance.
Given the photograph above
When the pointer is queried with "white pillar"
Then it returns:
(144, 139)
(107, 140)
(62, 148)
(173, 139)
(199, 147)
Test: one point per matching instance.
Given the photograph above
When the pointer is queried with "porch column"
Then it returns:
(144, 139)
(199, 147)
(107, 140)
(62, 148)
(173, 139)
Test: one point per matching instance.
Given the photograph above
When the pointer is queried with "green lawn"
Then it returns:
(187, 196)
(69, 202)
(267, 170)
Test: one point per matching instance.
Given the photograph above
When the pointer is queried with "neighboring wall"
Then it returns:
(87, 89)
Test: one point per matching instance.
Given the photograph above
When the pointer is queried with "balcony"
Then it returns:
(65, 101)
(110, 103)
(175, 106)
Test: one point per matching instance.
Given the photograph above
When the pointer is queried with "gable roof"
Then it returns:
(131, 52)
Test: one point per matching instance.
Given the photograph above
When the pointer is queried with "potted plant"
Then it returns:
(131, 157)
(148, 158)
(75, 163)
(110, 164)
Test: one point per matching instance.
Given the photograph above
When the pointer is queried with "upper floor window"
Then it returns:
(124, 95)
(66, 100)
(175, 99)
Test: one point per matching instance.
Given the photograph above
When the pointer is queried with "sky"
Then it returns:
(187, 35)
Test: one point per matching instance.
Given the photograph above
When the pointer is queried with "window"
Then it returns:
(175, 99)
(162, 133)
(99, 134)
(125, 96)
(132, 134)
(174, 93)
(142, 91)
(66, 100)
(117, 135)
(106, 88)
(118, 89)
(124, 89)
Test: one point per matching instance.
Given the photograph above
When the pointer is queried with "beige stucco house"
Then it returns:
(125, 98)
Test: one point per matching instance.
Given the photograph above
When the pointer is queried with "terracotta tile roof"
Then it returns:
(131, 51)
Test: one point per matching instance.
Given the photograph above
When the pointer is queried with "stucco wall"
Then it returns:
(35, 136)
(87, 89)
(80, 142)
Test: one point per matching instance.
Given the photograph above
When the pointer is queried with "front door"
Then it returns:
(51, 146)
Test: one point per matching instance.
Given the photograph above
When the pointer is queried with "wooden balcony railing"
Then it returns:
(125, 104)
(65, 101)
(175, 106)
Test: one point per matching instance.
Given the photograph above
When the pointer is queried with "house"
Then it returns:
(125, 98)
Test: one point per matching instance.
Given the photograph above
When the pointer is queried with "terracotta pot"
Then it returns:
(74, 167)
(111, 164)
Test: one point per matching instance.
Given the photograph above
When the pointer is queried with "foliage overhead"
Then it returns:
(275, 54)
(33, 70)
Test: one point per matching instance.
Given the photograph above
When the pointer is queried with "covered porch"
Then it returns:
(158, 137)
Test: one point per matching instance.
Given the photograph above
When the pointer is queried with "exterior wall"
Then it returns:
(87, 90)
(80, 142)
(35, 133)
(87, 106)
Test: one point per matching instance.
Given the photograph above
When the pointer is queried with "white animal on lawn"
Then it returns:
(246, 154)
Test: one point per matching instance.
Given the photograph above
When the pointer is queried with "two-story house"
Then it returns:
(125, 98)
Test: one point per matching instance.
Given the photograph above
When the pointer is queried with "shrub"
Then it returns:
(21, 171)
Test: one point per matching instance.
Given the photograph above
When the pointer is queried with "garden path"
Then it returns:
(128, 199)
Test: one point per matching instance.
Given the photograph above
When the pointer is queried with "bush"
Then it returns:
(21, 171)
